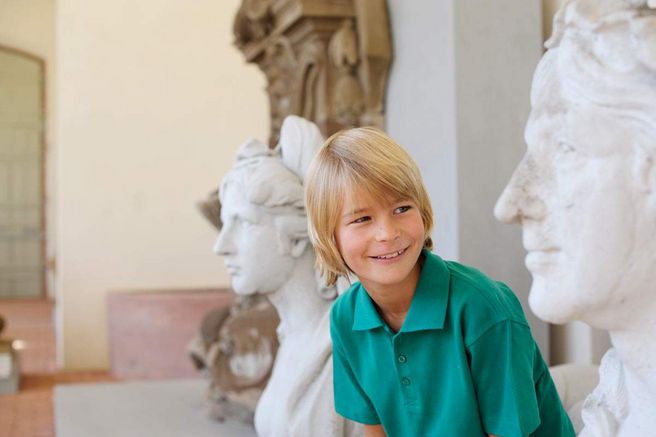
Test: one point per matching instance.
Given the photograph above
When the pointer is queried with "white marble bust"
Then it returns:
(585, 195)
(266, 249)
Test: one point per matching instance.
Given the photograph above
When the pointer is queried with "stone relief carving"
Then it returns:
(266, 249)
(325, 60)
(585, 195)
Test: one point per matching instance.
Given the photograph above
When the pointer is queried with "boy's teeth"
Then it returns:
(391, 255)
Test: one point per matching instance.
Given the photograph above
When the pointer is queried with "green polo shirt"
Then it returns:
(464, 362)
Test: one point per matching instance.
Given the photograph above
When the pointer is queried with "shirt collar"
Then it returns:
(428, 307)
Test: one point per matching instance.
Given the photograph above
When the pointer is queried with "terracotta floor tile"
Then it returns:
(30, 412)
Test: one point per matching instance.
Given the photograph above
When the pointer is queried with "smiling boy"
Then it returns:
(421, 346)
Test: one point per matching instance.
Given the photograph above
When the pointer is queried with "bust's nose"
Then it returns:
(224, 244)
(520, 199)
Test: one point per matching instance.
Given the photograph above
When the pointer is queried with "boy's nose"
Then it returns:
(387, 231)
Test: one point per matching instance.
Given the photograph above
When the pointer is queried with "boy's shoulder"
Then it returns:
(343, 308)
(477, 296)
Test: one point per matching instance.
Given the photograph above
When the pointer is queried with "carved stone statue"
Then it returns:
(266, 249)
(235, 349)
(585, 195)
(324, 60)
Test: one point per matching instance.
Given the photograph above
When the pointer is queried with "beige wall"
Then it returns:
(154, 102)
(29, 26)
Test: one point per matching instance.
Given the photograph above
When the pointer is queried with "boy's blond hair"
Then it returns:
(366, 158)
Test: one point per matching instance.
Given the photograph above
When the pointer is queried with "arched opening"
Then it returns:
(22, 216)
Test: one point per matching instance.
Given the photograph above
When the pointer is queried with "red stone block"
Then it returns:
(149, 331)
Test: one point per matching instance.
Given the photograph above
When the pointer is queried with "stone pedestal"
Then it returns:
(149, 330)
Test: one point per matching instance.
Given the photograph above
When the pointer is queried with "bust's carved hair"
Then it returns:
(604, 53)
(272, 179)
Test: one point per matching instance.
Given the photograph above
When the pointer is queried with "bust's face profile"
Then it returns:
(578, 195)
(250, 244)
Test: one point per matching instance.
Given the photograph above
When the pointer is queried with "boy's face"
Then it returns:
(380, 241)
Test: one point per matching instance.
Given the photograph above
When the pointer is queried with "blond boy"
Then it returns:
(421, 346)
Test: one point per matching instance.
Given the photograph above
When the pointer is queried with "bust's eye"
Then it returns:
(402, 209)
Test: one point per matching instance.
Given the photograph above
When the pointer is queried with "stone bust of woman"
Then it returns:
(266, 250)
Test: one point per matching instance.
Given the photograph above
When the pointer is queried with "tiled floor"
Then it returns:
(31, 323)
(29, 413)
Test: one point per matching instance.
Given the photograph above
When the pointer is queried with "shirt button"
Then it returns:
(402, 359)
(405, 381)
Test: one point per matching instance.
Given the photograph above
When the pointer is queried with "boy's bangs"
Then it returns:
(383, 188)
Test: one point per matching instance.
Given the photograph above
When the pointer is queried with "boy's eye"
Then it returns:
(402, 209)
(361, 219)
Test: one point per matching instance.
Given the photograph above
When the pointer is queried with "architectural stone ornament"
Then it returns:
(324, 60)
(585, 195)
(266, 249)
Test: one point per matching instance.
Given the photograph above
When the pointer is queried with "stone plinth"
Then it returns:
(149, 331)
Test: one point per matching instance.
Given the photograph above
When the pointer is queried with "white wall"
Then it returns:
(154, 101)
(498, 45)
(420, 104)
(29, 26)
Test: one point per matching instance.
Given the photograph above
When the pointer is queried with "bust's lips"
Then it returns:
(540, 258)
(232, 268)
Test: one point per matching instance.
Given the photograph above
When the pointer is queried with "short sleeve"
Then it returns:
(502, 368)
(350, 400)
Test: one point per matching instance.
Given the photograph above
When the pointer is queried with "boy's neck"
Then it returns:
(393, 302)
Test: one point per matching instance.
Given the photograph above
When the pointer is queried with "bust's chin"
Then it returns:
(241, 288)
(548, 306)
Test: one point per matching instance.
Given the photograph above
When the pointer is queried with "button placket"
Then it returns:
(403, 370)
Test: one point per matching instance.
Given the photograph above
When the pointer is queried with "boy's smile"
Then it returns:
(381, 242)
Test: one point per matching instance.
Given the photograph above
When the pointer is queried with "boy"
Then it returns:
(421, 346)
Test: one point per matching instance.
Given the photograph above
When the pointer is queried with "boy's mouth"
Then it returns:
(391, 255)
